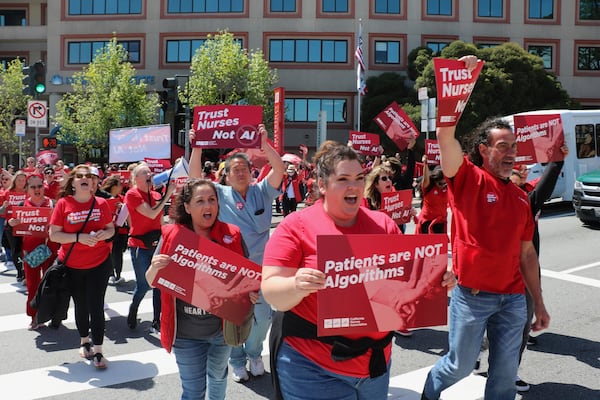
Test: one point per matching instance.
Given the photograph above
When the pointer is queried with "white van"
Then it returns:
(582, 135)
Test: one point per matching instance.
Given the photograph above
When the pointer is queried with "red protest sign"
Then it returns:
(209, 276)
(432, 151)
(227, 126)
(397, 205)
(379, 283)
(157, 166)
(539, 138)
(397, 125)
(34, 221)
(454, 85)
(365, 143)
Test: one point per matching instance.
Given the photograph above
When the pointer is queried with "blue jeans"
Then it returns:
(140, 258)
(302, 379)
(200, 360)
(253, 346)
(503, 315)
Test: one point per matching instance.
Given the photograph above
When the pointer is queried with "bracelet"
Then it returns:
(77, 237)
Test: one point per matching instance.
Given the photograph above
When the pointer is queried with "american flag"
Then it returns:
(361, 86)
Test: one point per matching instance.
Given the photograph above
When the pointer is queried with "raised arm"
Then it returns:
(275, 176)
(195, 157)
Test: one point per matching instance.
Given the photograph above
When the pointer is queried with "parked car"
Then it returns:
(586, 197)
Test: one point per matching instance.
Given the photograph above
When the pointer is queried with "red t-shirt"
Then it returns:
(70, 215)
(294, 244)
(140, 224)
(490, 219)
(52, 189)
(2, 198)
(435, 204)
(115, 204)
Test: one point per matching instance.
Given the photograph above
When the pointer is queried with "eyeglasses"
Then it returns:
(49, 172)
(385, 178)
(35, 186)
(79, 176)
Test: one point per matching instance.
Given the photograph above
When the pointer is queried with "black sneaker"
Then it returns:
(132, 318)
(521, 385)
(532, 341)
(155, 327)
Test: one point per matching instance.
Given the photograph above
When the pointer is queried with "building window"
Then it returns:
(4, 61)
(540, 9)
(335, 6)
(387, 52)
(13, 17)
(436, 47)
(589, 10)
(490, 8)
(585, 141)
(308, 51)
(439, 7)
(544, 52)
(181, 51)
(282, 6)
(85, 52)
(205, 6)
(388, 7)
(105, 7)
(588, 58)
(307, 110)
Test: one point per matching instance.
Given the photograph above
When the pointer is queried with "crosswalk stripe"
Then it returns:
(81, 375)
(409, 386)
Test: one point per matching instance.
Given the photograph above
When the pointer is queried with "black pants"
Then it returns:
(116, 256)
(288, 205)
(16, 249)
(88, 287)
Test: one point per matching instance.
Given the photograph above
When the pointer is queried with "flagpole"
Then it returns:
(358, 67)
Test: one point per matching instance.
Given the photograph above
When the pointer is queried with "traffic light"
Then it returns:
(38, 77)
(49, 142)
(172, 86)
(26, 70)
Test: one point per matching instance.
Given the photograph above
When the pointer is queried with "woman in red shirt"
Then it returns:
(434, 209)
(88, 263)
(35, 191)
(15, 195)
(195, 335)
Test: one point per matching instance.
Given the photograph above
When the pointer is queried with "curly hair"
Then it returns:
(481, 135)
(371, 192)
(178, 212)
(329, 155)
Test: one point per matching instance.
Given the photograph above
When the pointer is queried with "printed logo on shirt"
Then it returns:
(78, 217)
(227, 239)
(194, 311)
(491, 197)
(239, 205)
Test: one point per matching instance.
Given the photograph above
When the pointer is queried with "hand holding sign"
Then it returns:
(455, 80)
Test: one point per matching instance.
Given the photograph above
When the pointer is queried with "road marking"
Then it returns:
(581, 268)
(571, 278)
(81, 375)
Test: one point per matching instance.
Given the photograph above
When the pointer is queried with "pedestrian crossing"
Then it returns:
(76, 377)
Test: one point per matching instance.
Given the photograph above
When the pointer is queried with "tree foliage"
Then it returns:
(512, 81)
(104, 96)
(13, 103)
(222, 72)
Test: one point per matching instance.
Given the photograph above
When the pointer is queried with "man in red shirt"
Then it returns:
(492, 254)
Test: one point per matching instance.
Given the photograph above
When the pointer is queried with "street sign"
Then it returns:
(20, 127)
(37, 113)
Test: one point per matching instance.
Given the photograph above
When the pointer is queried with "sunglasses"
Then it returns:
(385, 178)
(49, 172)
(79, 176)
(35, 186)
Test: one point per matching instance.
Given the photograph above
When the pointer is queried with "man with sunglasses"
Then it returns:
(493, 258)
(51, 185)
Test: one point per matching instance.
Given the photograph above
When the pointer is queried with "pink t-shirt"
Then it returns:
(71, 215)
(294, 244)
(490, 219)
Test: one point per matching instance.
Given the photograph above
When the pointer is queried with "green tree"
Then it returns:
(13, 103)
(511, 81)
(104, 96)
(222, 72)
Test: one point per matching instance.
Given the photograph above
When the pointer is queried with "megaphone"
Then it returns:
(180, 169)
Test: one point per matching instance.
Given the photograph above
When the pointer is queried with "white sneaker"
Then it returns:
(111, 281)
(120, 280)
(239, 374)
(10, 266)
(257, 367)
